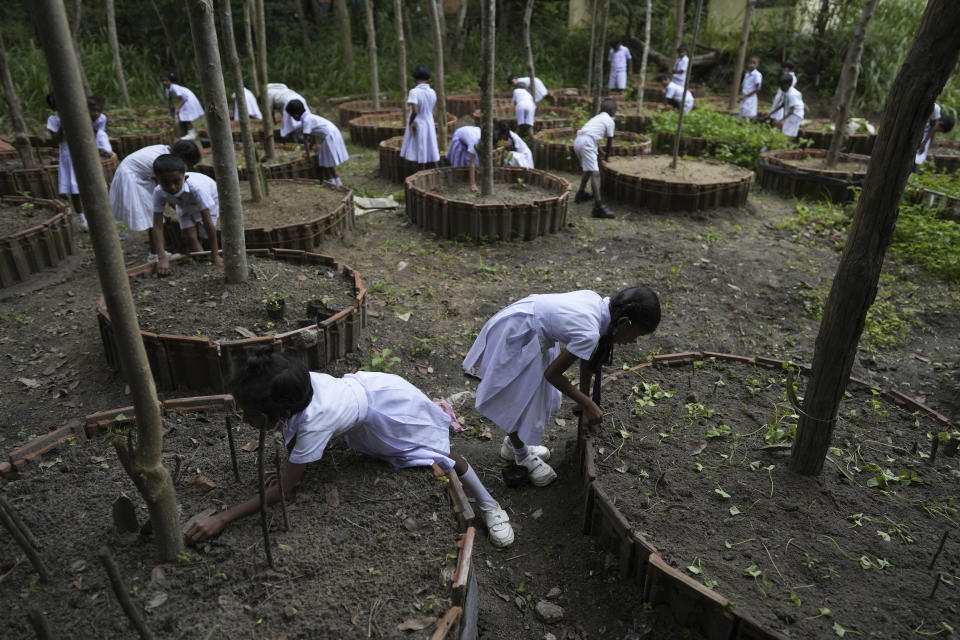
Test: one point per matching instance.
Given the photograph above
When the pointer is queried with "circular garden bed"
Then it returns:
(548, 117)
(945, 155)
(464, 104)
(526, 203)
(938, 191)
(42, 182)
(553, 148)
(35, 234)
(356, 108)
(129, 130)
(371, 130)
(290, 162)
(396, 168)
(820, 132)
(719, 103)
(800, 173)
(695, 184)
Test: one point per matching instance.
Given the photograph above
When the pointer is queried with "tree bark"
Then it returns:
(75, 37)
(171, 46)
(928, 64)
(251, 54)
(593, 47)
(847, 86)
(401, 47)
(236, 74)
(407, 23)
(527, 46)
(297, 10)
(265, 107)
(686, 83)
(145, 463)
(600, 48)
(115, 46)
(488, 24)
(438, 74)
(643, 58)
(346, 43)
(372, 53)
(21, 136)
(679, 18)
(741, 55)
(461, 32)
(442, 17)
(204, 31)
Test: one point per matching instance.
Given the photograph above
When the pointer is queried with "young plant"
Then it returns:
(274, 301)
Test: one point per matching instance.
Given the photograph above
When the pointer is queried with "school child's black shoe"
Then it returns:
(601, 210)
(582, 196)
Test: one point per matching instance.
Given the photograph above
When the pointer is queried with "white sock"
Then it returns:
(81, 217)
(521, 453)
(337, 181)
(475, 489)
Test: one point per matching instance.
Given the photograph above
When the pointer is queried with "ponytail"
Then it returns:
(273, 383)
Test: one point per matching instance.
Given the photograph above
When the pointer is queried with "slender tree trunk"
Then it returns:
(145, 463)
(265, 107)
(528, 47)
(251, 54)
(372, 49)
(643, 57)
(204, 30)
(679, 17)
(593, 46)
(928, 64)
(168, 36)
(438, 72)
(401, 47)
(407, 23)
(686, 83)
(297, 10)
(115, 46)
(847, 87)
(741, 55)
(598, 56)
(236, 74)
(346, 41)
(461, 32)
(21, 136)
(442, 17)
(488, 36)
(75, 36)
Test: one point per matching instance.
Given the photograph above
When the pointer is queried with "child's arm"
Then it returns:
(414, 110)
(211, 526)
(609, 148)
(554, 375)
(472, 171)
(212, 235)
(163, 263)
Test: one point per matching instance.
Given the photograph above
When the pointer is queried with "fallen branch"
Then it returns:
(123, 595)
(25, 545)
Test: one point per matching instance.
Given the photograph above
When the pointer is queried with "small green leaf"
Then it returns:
(734, 510)
(754, 465)
(837, 629)
(712, 584)
(753, 571)
(865, 562)
(697, 467)
(794, 598)
(727, 544)
(723, 494)
(883, 535)
(882, 564)
(695, 570)
(824, 611)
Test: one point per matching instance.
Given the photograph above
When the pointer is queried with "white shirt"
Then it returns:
(673, 91)
(199, 194)
(793, 99)
(539, 89)
(315, 124)
(253, 109)
(575, 319)
(924, 148)
(618, 58)
(682, 64)
(337, 406)
(522, 97)
(100, 137)
(598, 127)
(751, 80)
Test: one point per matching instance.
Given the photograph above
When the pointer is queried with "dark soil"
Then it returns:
(282, 156)
(813, 162)
(14, 219)
(14, 164)
(502, 193)
(138, 121)
(622, 139)
(688, 169)
(288, 203)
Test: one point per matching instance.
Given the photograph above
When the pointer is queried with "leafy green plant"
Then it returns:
(274, 301)
(382, 361)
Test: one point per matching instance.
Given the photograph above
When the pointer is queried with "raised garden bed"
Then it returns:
(464, 104)
(548, 117)
(453, 216)
(695, 184)
(42, 182)
(290, 162)
(129, 130)
(938, 191)
(820, 133)
(371, 130)
(36, 234)
(202, 363)
(690, 489)
(396, 168)
(553, 148)
(356, 108)
(800, 173)
(945, 155)
(719, 103)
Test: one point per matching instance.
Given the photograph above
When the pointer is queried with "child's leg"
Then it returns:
(185, 127)
(471, 483)
(76, 203)
(191, 239)
(595, 184)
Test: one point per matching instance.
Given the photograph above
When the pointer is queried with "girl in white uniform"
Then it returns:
(420, 136)
(279, 96)
(330, 148)
(936, 122)
(525, 108)
(183, 105)
(519, 357)
(518, 153)
(253, 108)
(379, 414)
(539, 90)
(463, 151)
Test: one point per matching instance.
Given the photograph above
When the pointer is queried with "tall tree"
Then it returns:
(75, 36)
(686, 83)
(679, 17)
(115, 46)
(929, 62)
(741, 54)
(168, 36)
(297, 9)
(461, 31)
(643, 57)
(372, 53)
(204, 31)
(488, 22)
(144, 462)
(847, 85)
(401, 46)
(527, 46)
(251, 53)
(593, 46)
(346, 41)
(265, 107)
(21, 136)
(598, 57)
(438, 74)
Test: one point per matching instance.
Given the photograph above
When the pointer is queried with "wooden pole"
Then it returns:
(643, 57)
(461, 32)
(598, 56)
(251, 53)
(401, 47)
(741, 55)
(21, 136)
(686, 83)
(488, 31)
(123, 594)
(283, 495)
(528, 46)
(372, 53)
(75, 36)
(10, 525)
(679, 18)
(18, 521)
(233, 449)
(115, 47)
(261, 479)
(438, 73)
(346, 44)
(39, 623)
(265, 107)
(593, 46)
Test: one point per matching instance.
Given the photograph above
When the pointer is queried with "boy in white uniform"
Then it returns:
(793, 109)
(197, 202)
(786, 68)
(749, 88)
(253, 109)
(672, 92)
(681, 65)
(525, 108)
(539, 89)
(620, 63)
(936, 122)
(587, 147)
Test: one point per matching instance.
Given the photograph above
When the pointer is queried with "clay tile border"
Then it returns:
(676, 359)
(20, 457)
(692, 603)
(446, 623)
(461, 576)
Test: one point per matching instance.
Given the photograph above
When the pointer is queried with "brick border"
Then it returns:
(774, 172)
(32, 250)
(948, 206)
(558, 155)
(859, 143)
(42, 182)
(367, 132)
(946, 162)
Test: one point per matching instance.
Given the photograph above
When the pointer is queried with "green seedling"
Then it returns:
(718, 431)
(697, 410)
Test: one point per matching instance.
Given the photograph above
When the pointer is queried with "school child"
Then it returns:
(587, 147)
(184, 105)
(786, 68)
(330, 148)
(620, 60)
(524, 107)
(66, 177)
(681, 66)
(279, 96)
(672, 92)
(420, 136)
(936, 122)
(749, 88)
(197, 204)
(539, 89)
(521, 363)
(253, 108)
(518, 153)
(462, 152)
(792, 108)
(379, 414)
(131, 192)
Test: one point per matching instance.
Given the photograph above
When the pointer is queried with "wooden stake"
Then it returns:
(233, 449)
(936, 584)
(263, 493)
(21, 525)
(943, 540)
(21, 540)
(39, 623)
(283, 499)
(123, 595)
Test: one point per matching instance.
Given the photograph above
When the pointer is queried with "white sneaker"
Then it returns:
(541, 474)
(498, 526)
(82, 223)
(506, 451)
(191, 135)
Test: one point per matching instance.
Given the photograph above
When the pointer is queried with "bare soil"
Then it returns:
(502, 193)
(14, 219)
(282, 156)
(689, 170)
(813, 162)
(287, 203)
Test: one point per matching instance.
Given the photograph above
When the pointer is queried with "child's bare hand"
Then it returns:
(474, 188)
(163, 266)
(270, 478)
(592, 414)
(413, 127)
(204, 528)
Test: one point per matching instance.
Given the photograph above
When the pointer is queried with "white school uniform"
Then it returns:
(525, 107)
(587, 143)
(618, 67)
(673, 91)
(751, 80)
(191, 109)
(521, 156)
(792, 105)
(516, 346)
(253, 109)
(921, 156)
(777, 114)
(463, 147)
(66, 176)
(100, 122)
(199, 193)
(131, 192)
(680, 76)
(331, 151)
(379, 414)
(539, 89)
(421, 147)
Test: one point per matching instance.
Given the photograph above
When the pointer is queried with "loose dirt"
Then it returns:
(502, 193)
(288, 203)
(14, 219)
(688, 169)
(812, 162)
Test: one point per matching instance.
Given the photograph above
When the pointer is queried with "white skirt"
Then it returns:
(132, 199)
(421, 147)
(66, 177)
(191, 109)
(332, 151)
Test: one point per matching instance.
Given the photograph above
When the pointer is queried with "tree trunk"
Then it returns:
(461, 32)
(679, 18)
(488, 36)
(686, 83)
(593, 47)
(145, 463)
(346, 43)
(407, 23)
(928, 64)
(265, 107)
(847, 86)
(741, 55)
(171, 45)
(236, 74)
(21, 136)
(204, 31)
(115, 46)
(297, 10)
(643, 58)
(438, 72)
(442, 17)
(372, 49)
(75, 37)
(248, 39)
(527, 46)
(600, 48)
(401, 47)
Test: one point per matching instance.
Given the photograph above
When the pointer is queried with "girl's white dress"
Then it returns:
(521, 156)
(463, 147)
(66, 177)
(525, 108)
(379, 414)
(253, 109)
(516, 346)
(131, 192)
(191, 109)
(421, 147)
(332, 151)
(278, 94)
